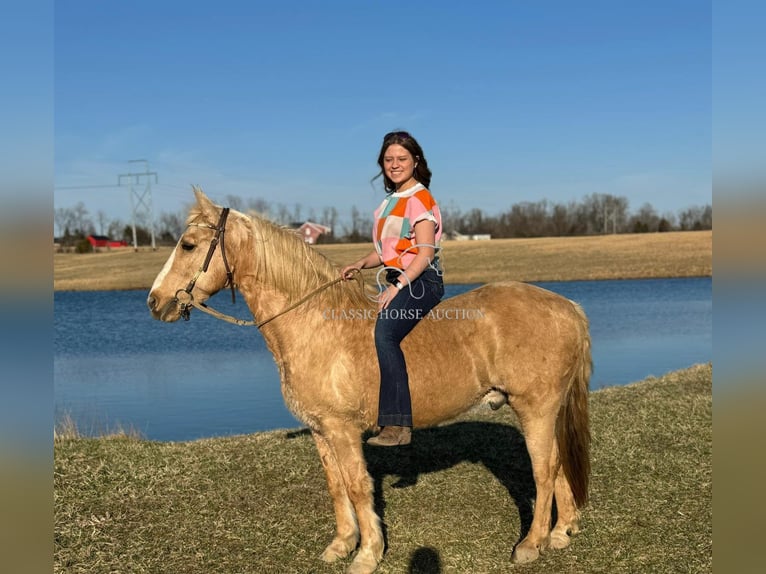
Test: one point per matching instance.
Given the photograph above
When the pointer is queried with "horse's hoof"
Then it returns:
(335, 551)
(364, 563)
(524, 554)
(559, 539)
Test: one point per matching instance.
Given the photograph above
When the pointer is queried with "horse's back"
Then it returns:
(506, 308)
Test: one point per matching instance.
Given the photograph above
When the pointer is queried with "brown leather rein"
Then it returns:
(186, 294)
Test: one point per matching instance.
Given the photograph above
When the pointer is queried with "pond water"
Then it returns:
(115, 366)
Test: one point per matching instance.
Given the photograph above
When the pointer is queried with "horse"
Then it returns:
(503, 343)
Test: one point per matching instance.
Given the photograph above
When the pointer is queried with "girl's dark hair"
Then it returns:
(422, 174)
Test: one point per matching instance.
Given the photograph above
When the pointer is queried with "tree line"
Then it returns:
(595, 214)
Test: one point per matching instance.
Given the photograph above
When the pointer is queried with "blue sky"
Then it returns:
(288, 101)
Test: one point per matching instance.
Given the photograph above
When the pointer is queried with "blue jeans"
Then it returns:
(409, 306)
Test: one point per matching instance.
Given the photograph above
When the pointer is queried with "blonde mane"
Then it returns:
(301, 268)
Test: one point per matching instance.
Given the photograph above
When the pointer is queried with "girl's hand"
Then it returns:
(384, 299)
(348, 272)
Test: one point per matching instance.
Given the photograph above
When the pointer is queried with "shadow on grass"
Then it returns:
(425, 561)
(500, 448)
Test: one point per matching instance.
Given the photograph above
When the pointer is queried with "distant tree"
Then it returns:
(595, 213)
(451, 217)
(170, 228)
(63, 221)
(297, 211)
(235, 202)
(330, 219)
(646, 220)
(260, 206)
(143, 235)
(360, 227)
(81, 222)
(115, 229)
(696, 218)
(560, 224)
(283, 214)
(605, 213)
(103, 221)
(82, 245)
(474, 222)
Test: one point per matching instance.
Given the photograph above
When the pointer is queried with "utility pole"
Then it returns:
(140, 201)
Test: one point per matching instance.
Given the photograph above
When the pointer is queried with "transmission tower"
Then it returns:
(140, 200)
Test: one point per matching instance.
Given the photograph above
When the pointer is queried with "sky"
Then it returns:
(288, 101)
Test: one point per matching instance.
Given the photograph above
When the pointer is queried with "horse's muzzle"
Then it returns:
(168, 313)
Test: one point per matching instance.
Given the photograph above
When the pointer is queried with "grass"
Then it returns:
(631, 256)
(66, 429)
(456, 502)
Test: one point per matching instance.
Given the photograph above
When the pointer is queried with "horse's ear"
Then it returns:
(207, 206)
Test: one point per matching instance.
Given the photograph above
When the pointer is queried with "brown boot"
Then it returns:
(392, 436)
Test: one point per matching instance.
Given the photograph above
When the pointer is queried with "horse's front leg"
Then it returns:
(344, 441)
(347, 530)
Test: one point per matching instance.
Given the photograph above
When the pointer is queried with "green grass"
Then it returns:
(456, 502)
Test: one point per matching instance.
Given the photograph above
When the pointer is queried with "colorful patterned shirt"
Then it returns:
(393, 231)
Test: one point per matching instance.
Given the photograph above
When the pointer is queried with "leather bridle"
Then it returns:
(219, 237)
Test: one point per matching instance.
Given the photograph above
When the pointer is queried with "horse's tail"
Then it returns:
(572, 426)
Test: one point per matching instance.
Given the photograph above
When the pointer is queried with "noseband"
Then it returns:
(187, 303)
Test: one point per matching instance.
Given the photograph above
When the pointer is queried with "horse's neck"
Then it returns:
(279, 270)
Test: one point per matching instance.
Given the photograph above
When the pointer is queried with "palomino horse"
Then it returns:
(507, 342)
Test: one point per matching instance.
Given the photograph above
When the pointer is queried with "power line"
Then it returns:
(84, 186)
(138, 199)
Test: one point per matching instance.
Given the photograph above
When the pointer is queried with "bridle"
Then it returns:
(220, 229)
(185, 299)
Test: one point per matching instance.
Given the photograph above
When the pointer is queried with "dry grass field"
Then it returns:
(453, 503)
(628, 256)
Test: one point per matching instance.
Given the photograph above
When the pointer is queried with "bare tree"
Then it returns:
(474, 222)
(103, 221)
(81, 222)
(560, 220)
(646, 220)
(63, 220)
(329, 217)
(451, 217)
(283, 214)
(260, 206)
(696, 218)
(116, 230)
(605, 213)
(235, 202)
(296, 217)
(171, 227)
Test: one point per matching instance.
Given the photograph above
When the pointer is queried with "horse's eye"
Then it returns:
(187, 246)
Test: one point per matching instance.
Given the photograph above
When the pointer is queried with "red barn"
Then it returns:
(98, 241)
(311, 231)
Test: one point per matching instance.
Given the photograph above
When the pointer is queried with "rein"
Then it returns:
(228, 318)
(185, 306)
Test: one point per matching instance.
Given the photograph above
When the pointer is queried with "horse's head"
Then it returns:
(198, 267)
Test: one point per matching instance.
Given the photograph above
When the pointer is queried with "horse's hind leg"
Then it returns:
(538, 424)
(347, 531)
(568, 517)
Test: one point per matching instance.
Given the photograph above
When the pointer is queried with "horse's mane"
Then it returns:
(284, 261)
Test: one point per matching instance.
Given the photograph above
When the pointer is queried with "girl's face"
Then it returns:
(399, 165)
